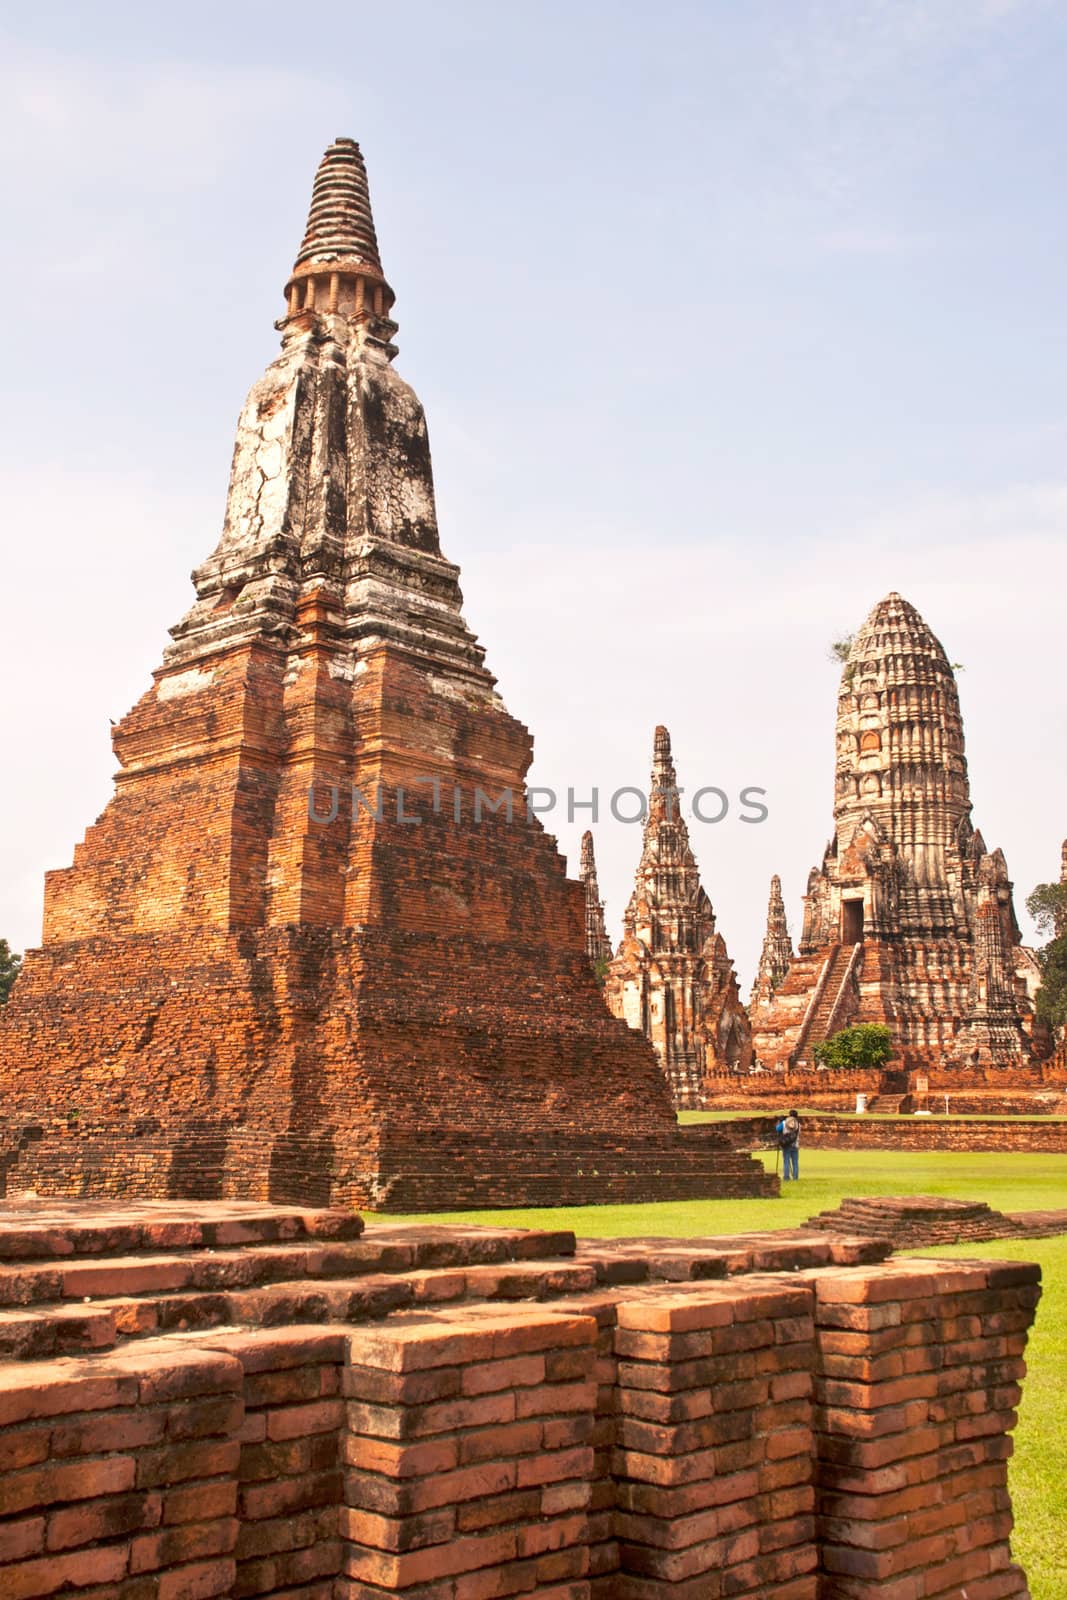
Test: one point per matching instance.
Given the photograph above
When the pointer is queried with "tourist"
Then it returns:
(788, 1131)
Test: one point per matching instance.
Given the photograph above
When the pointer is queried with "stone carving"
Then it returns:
(672, 976)
(909, 920)
(315, 949)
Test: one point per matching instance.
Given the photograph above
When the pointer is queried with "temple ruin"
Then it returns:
(672, 977)
(316, 949)
(909, 920)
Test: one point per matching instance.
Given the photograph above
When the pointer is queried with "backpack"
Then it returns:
(790, 1133)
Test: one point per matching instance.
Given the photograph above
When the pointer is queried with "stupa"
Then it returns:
(672, 976)
(315, 948)
(909, 920)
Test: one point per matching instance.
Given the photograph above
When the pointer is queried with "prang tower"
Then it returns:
(776, 956)
(909, 920)
(597, 943)
(298, 957)
(672, 976)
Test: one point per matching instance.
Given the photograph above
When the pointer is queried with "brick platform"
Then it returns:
(917, 1220)
(825, 1430)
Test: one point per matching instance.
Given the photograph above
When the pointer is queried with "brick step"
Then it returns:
(39, 1332)
(691, 1154)
(386, 1251)
(675, 1260)
(49, 1229)
(456, 1172)
(152, 1306)
(742, 1177)
(886, 1104)
(870, 1210)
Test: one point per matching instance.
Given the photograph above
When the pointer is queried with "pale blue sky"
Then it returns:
(728, 318)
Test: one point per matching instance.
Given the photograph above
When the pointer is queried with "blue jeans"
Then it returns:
(791, 1161)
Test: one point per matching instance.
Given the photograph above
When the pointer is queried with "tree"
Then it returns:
(866, 1045)
(840, 648)
(9, 969)
(1048, 907)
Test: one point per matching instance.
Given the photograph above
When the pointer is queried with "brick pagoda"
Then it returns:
(909, 921)
(672, 976)
(299, 956)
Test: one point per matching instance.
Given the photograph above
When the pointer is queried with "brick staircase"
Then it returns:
(826, 1003)
(81, 1276)
(886, 1105)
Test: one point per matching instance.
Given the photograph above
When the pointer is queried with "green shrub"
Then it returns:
(868, 1044)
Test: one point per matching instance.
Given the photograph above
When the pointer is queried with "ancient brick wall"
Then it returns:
(1034, 1089)
(933, 1133)
(818, 1434)
(902, 1133)
(835, 1091)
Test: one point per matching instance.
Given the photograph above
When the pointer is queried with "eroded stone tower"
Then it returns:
(776, 956)
(672, 976)
(909, 920)
(297, 957)
(597, 943)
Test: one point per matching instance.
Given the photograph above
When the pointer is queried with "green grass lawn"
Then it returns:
(1008, 1181)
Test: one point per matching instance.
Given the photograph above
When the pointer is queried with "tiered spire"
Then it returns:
(777, 950)
(330, 522)
(663, 795)
(597, 943)
(672, 976)
(340, 223)
(900, 753)
(338, 268)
